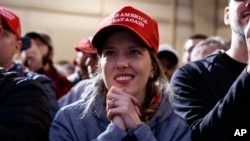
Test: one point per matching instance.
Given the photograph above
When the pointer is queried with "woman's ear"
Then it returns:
(152, 72)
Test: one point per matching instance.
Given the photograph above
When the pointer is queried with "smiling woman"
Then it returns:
(129, 99)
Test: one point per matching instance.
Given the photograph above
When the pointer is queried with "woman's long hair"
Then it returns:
(154, 87)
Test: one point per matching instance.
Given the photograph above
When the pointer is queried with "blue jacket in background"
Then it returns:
(46, 83)
(75, 92)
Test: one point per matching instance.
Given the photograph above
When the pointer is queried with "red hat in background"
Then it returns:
(138, 22)
(85, 46)
(12, 20)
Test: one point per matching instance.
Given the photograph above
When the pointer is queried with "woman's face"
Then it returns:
(126, 63)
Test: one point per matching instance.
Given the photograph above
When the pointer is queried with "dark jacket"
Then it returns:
(46, 82)
(24, 109)
(213, 95)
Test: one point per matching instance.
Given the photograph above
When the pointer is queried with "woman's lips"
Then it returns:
(123, 78)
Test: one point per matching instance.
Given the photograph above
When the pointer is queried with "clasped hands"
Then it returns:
(122, 108)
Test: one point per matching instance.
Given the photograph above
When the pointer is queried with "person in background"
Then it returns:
(169, 59)
(207, 47)
(24, 108)
(76, 92)
(213, 94)
(65, 67)
(130, 99)
(39, 58)
(86, 61)
(10, 45)
(189, 46)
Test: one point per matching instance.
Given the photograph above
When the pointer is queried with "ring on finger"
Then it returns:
(113, 102)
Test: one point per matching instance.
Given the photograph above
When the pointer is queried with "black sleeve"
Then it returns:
(49, 88)
(24, 110)
(211, 120)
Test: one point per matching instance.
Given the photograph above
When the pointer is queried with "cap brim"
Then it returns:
(101, 35)
(79, 49)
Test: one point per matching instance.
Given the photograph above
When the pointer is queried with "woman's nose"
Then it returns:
(122, 63)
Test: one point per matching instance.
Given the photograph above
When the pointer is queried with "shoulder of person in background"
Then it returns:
(79, 90)
(46, 82)
(32, 121)
(49, 88)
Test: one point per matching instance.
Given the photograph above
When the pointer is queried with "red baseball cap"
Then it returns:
(138, 22)
(85, 46)
(12, 20)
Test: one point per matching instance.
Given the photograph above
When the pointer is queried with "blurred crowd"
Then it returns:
(123, 84)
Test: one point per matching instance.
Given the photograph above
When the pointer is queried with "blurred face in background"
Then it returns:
(87, 62)
(188, 47)
(42, 47)
(168, 67)
(237, 16)
(9, 46)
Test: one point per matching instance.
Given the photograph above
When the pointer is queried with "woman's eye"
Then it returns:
(134, 52)
(109, 53)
